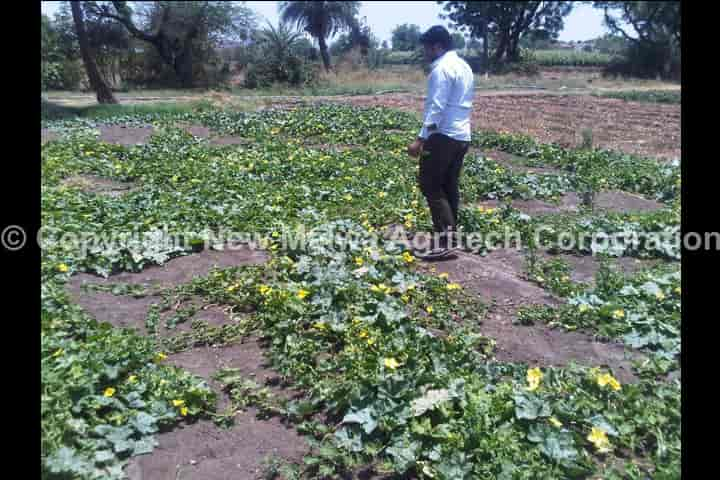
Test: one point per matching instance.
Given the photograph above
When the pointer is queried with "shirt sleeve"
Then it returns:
(438, 91)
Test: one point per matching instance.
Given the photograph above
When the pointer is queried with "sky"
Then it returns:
(583, 23)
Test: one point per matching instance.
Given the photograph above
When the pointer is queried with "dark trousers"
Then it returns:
(439, 178)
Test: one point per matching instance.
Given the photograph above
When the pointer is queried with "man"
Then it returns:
(445, 135)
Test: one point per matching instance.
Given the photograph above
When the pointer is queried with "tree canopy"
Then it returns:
(506, 22)
(405, 37)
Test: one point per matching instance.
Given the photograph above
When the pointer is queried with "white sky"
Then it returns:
(583, 23)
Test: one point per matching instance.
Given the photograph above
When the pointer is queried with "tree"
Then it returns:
(458, 40)
(50, 55)
(179, 30)
(538, 39)
(405, 37)
(320, 19)
(611, 44)
(279, 59)
(97, 83)
(506, 22)
(655, 46)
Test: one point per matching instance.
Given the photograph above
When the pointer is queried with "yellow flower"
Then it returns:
(539, 279)
(677, 290)
(584, 308)
(534, 375)
(302, 293)
(405, 298)
(598, 438)
(320, 325)
(407, 256)
(348, 197)
(660, 296)
(429, 309)
(382, 195)
(618, 314)
(58, 352)
(391, 363)
(184, 411)
(62, 268)
(363, 334)
(371, 341)
(443, 275)
(232, 288)
(565, 278)
(358, 261)
(160, 357)
(264, 290)
(109, 392)
(607, 379)
(489, 211)
(481, 209)
(414, 203)
(132, 378)
(275, 234)
(178, 403)
(555, 422)
(453, 286)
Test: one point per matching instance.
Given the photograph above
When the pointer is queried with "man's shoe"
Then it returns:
(435, 254)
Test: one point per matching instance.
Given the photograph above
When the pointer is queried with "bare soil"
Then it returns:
(201, 131)
(47, 136)
(122, 135)
(201, 450)
(514, 163)
(634, 127)
(497, 280)
(99, 185)
(609, 201)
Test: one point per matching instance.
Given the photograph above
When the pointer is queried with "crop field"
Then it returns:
(217, 357)
(570, 58)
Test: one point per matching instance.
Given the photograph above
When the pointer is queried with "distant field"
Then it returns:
(570, 58)
(649, 96)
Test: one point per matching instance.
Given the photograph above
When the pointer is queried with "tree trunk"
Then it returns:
(184, 66)
(101, 88)
(501, 48)
(486, 48)
(512, 51)
(324, 52)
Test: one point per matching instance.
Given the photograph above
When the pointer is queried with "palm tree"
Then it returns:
(281, 41)
(321, 20)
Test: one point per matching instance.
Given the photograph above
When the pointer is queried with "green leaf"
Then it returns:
(144, 423)
(364, 417)
(530, 407)
(601, 422)
(553, 443)
(404, 455)
(65, 460)
(429, 401)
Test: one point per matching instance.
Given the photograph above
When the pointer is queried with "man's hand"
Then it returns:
(415, 148)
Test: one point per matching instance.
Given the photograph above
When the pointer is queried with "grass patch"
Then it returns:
(54, 111)
(649, 96)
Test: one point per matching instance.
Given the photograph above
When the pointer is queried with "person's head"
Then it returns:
(435, 42)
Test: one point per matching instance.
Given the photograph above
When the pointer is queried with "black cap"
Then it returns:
(437, 34)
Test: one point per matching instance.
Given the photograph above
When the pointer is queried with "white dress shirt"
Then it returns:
(449, 98)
